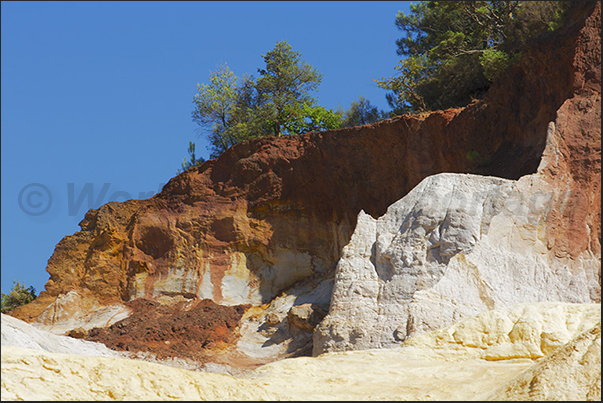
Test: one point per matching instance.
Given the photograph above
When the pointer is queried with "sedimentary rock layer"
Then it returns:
(531, 351)
(573, 372)
(17, 333)
(456, 245)
(272, 213)
(460, 244)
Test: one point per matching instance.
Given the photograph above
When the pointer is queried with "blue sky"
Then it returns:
(97, 96)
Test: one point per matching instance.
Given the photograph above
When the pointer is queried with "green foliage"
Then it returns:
(19, 295)
(406, 96)
(284, 87)
(495, 62)
(455, 49)
(314, 118)
(223, 108)
(231, 110)
(536, 17)
(361, 112)
(193, 161)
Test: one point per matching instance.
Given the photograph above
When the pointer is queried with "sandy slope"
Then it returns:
(493, 355)
(33, 375)
(465, 361)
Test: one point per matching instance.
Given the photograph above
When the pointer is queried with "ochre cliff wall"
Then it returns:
(272, 211)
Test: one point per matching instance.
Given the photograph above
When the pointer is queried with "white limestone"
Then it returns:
(259, 338)
(456, 245)
(73, 310)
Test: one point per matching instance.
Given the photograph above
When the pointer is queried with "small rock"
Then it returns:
(400, 333)
(305, 316)
(78, 333)
(272, 319)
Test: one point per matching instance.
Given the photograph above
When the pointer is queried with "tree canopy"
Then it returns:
(455, 49)
(284, 88)
(224, 109)
(278, 103)
(361, 112)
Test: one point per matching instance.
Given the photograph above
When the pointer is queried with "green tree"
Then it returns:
(314, 118)
(222, 109)
(454, 50)
(361, 112)
(284, 86)
(19, 295)
(193, 160)
(230, 110)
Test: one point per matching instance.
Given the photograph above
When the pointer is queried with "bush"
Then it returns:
(194, 161)
(19, 295)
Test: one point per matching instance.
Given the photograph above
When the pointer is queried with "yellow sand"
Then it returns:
(459, 362)
(34, 375)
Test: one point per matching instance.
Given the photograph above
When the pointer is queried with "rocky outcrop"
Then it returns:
(265, 224)
(571, 373)
(460, 244)
(456, 245)
(528, 351)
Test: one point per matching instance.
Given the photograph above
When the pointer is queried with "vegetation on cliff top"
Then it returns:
(454, 50)
(230, 109)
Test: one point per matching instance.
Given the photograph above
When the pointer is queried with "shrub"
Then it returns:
(19, 295)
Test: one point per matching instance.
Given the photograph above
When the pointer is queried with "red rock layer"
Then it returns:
(303, 193)
(182, 330)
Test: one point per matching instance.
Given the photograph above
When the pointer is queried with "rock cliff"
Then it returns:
(461, 244)
(456, 245)
(262, 228)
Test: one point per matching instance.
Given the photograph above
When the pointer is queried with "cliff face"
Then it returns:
(458, 244)
(267, 221)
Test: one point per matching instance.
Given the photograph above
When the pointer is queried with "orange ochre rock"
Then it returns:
(271, 212)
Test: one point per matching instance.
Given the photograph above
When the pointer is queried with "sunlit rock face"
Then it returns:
(573, 372)
(456, 245)
(15, 332)
(79, 309)
(460, 244)
(266, 222)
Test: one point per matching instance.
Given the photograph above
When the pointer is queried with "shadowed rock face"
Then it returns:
(271, 212)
